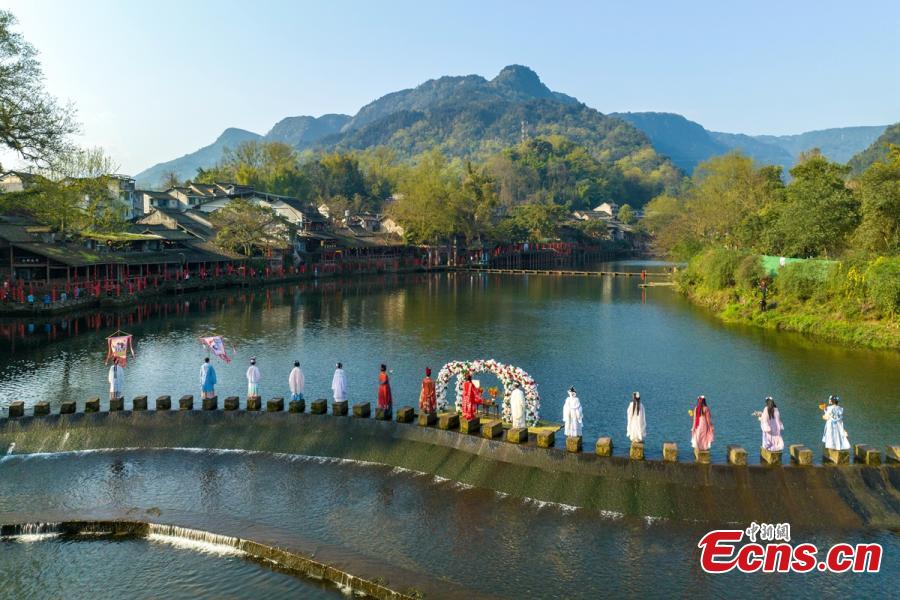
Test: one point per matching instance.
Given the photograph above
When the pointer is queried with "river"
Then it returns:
(606, 336)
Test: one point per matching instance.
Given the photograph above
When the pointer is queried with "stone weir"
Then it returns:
(838, 496)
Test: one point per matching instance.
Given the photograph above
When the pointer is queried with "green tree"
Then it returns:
(249, 228)
(427, 200)
(32, 123)
(626, 214)
(819, 212)
(879, 195)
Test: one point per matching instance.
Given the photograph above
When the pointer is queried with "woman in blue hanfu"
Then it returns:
(835, 437)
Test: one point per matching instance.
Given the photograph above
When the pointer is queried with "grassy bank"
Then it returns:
(854, 304)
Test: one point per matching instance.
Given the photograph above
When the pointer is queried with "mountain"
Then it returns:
(877, 151)
(688, 143)
(514, 83)
(186, 166)
(838, 144)
(301, 132)
(685, 142)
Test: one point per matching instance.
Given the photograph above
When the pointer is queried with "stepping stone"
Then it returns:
(339, 408)
(383, 414)
(491, 429)
(736, 455)
(254, 403)
(604, 446)
(517, 435)
(448, 421)
(546, 439)
(139, 403)
(406, 415)
(232, 403)
(836, 457)
(573, 443)
(702, 457)
(116, 404)
(637, 451)
(670, 452)
(41, 409)
(427, 419)
(68, 407)
(296, 406)
(800, 454)
(92, 405)
(469, 425)
(275, 405)
(16, 409)
(318, 407)
(210, 403)
(163, 403)
(770, 457)
(186, 402)
(362, 410)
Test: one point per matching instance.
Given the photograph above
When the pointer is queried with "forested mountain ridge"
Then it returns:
(688, 143)
(878, 150)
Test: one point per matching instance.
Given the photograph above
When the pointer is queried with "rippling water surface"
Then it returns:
(365, 515)
(607, 337)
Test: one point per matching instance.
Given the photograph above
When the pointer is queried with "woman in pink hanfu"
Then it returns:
(702, 433)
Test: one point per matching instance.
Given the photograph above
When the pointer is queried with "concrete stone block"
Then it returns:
(800, 454)
(546, 439)
(427, 419)
(16, 409)
(139, 403)
(702, 456)
(254, 403)
(92, 405)
(41, 409)
(637, 451)
(384, 414)
(186, 402)
(491, 428)
(296, 406)
(769, 457)
(210, 403)
(275, 405)
(573, 443)
(68, 407)
(892, 454)
(604, 446)
(517, 435)
(865, 454)
(469, 425)
(318, 407)
(116, 404)
(406, 414)
(340, 408)
(448, 421)
(231, 403)
(164, 403)
(670, 452)
(836, 457)
(736, 455)
(362, 410)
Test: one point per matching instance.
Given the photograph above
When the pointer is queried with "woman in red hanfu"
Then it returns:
(385, 401)
(471, 398)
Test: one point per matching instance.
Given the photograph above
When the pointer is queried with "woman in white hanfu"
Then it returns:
(835, 437)
(770, 423)
(572, 415)
(517, 407)
(636, 429)
(339, 384)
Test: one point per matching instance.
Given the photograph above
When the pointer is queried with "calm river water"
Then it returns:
(607, 337)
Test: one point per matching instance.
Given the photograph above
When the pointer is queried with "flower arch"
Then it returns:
(507, 374)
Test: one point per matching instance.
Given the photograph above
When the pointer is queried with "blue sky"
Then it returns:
(153, 80)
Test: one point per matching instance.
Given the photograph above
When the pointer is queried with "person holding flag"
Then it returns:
(116, 378)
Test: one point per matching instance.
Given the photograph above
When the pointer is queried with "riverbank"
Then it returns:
(854, 302)
(823, 322)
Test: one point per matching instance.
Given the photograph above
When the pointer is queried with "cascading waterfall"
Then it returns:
(193, 539)
(30, 532)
